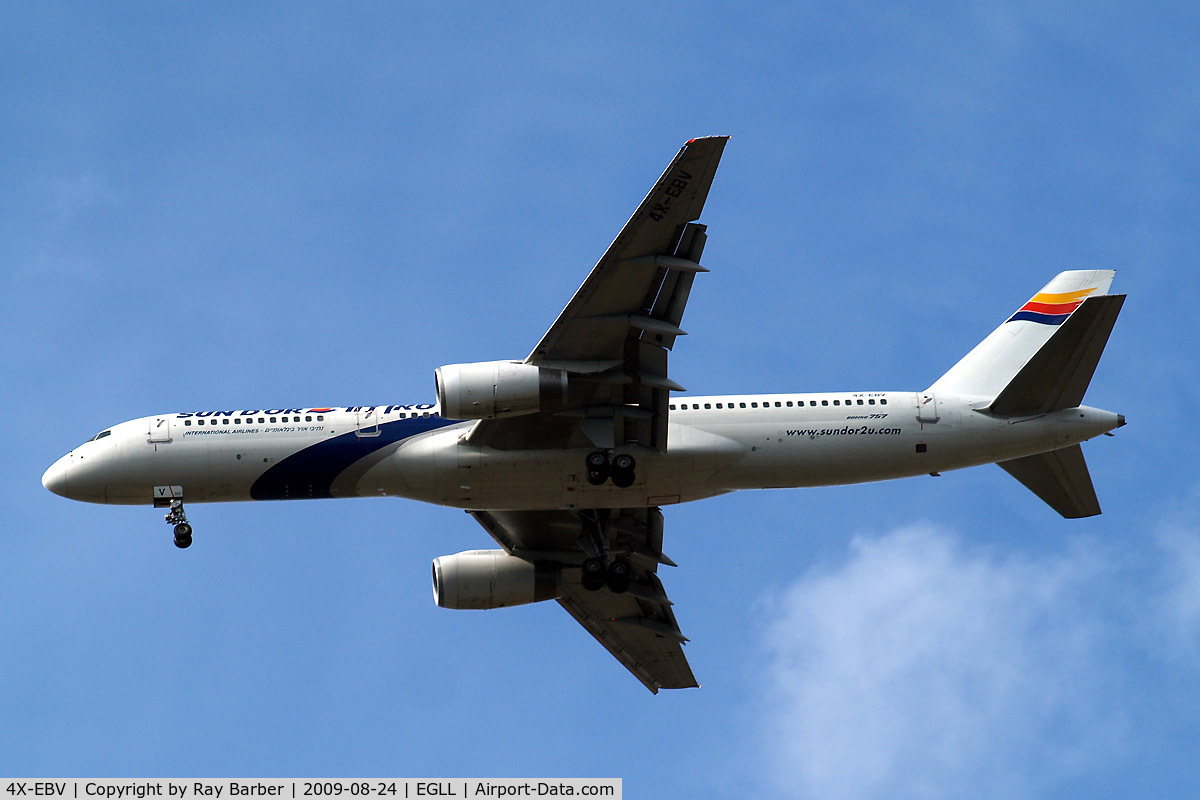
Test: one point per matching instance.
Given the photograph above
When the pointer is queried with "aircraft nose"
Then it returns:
(55, 478)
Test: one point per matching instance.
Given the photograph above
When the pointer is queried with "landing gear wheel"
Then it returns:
(597, 467)
(183, 530)
(623, 466)
(593, 574)
(619, 576)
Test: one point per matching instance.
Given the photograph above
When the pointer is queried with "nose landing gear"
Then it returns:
(183, 530)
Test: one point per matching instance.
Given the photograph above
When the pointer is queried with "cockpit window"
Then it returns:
(101, 435)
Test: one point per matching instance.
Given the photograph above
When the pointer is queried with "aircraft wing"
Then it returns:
(613, 336)
(637, 626)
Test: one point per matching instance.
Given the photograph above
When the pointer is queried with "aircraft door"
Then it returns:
(927, 408)
(368, 420)
(159, 431)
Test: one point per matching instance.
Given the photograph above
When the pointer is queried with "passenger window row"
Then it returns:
(249, 420)
(780, 404)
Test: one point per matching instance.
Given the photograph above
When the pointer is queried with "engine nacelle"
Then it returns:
(491, 579)
(491, 389)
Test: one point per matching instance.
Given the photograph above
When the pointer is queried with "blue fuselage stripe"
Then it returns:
(311, 472)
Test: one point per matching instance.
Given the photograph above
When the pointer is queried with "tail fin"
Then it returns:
(1042, 360)
(1059, 373)
(995, 362)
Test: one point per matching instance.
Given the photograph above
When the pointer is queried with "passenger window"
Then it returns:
(779, 404)
(741, 405)
(308, 417)
(320, 417)
(708, 405)
(672, 407)
(871, 402)
(225, 421)
(719, 405)
(187, 422)
(261, 420)
(789, 402)
(237, 420)
(837, 402)
(860, 402)
(883, 402)
(272, 419)
(825, 402)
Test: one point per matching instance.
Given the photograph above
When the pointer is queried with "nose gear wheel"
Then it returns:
(183, 529)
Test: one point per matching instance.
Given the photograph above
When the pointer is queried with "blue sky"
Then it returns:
(297, 204)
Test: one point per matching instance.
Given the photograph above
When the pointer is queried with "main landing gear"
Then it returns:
(597, 569)
(183, 530)
(601, 466)
(617, 575)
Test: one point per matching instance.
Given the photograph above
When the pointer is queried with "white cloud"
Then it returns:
(923, 668)
(1177, 604)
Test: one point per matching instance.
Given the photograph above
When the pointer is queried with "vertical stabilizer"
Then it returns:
(988, 369)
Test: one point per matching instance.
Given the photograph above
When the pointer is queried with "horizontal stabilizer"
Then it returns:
(1058, 374)
(1060, 478)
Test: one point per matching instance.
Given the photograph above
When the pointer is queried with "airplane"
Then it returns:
(567, 457)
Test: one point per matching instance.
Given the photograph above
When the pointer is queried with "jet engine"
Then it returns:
(491, 579)
(491, 389)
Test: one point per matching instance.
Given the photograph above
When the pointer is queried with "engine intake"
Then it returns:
(491, 579)
(492, 389)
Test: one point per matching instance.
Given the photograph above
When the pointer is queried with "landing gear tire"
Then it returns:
(593, 574)
(597, 467)
(618, 576)
(622, 470)
(179, 519)
(183, 530)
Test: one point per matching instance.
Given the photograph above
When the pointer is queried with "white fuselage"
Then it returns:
(714, 445)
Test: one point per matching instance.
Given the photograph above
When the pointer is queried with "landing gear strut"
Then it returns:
(183, 530)
(601, 466)
(597, 569)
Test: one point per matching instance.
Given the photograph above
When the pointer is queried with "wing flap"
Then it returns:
(638, 626)
(648, 644)
(615, 333)
(628, 273)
